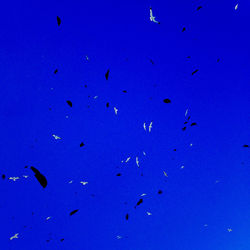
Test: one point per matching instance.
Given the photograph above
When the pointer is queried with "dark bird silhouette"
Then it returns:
(41, 178)
(58, 20)
(107, 75)
(69, 103)
(73, 212)
(195, 72)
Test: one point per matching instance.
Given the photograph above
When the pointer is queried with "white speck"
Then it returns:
(143, 194)
(95, 97)
(165, 173)
(118, 237)
(127, 159)
(229, 230)
(14, 237)
(205, 225)
(144, 126)
(56, 137)
(186, 112)
(182, 167)
(48, 218)
(70, 182)
(144, 153)
(148, 213)
(51, 88)
(14, 178)
(116, 110)
(191, 144)
(152, 18)
(87, 58)
(236, 6)
(217, 181)
(83, 182)
(25, 176)
(67, 116)
(150, 127)
(137, 161)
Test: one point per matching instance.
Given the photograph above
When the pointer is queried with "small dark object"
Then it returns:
(41, 178)
(188, 57)
(107, 75)
(193, 124)
(198, 8)
(73, 212)
(185, 122)
(119, 174)
(107, 104)
(3, 176)
(184, 28)
(166, 101)
(151, 61)
(195, 72)
(26, 167)
(58, 20)
(160, 192)
(127, 215)
(56, 70)
(245, 146)
(85, 86)
(189, 118)
(174, 149)
(218, 59)
(184, 128)
(139, 202)
(62, 240)
(69, 103)
(82, 144)
(124, 91)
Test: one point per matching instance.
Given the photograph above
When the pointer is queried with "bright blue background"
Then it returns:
(119, 35)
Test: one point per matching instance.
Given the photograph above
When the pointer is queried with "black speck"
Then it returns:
(62, 240)
(69, 103)
(82, 144)
(124, 91)
(184, 28)
(185, 122)
(198, 8)
(73, 212)
(183, 129)
(139, 202)
(58, 20)
(218, 60)
(195, 72)
(166, 101)
(127, 216)
(119, 174)
(3, 176)
(85, 86)
(174, 149)
(56, 70)
(193, 124)
(41, 178)
(107, 75)
(245, 146)
(160, 192)
(107, 104)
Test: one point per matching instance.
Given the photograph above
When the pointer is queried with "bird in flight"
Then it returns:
(152, 18)
(14, 237)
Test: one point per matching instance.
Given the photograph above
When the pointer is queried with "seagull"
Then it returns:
(148, 213)
(143, 194)
(150, 127)
(14, 178)
(152, 18)
(56, 137)
(84, 183)
(128, 159)
(137, 161)
(70, 182)
(14, 237)
(186, 112)
(144, 153)
(144, 126)
(25, 176)
(229, 230)
(236, 6)
(48, 218)
(165, 173)
(116, 110)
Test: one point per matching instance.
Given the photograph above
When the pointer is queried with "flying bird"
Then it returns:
(14, 178)
(56, 137)
(58, 20)
(144, 126)
(41, 178)
(107, 75)
(152, 18)
(84, 183)
(150, 127)
(116, 110)
(137, 161)
(14, 237)
(195, 72)
(73, 212)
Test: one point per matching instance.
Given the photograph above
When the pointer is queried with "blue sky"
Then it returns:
(200, 201)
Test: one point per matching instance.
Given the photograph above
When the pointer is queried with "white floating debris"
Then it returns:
(83, 182)
(143, 194)
(137, 161)
(165, 173)
(150, 127)
(87, 58)
(56, 137)
(95, 97)
(148, 213)
(127, 159)
(152, 18)
(14, 178)
(14, 237)
(191, 144)
(116, 110)
(144, 153)
(236, 6)
(144, 126)
(70, 182)
(48, 218)
(25, 176)
(182, 167)
(186, 112)
(229, 230)
(118, 237)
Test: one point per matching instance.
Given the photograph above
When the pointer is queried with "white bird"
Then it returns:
(48, 218)
(84, 183)
(14, 178)
(150, 127)
(118, 237)
(70, 182)
(143, 194)
(152, 18)
(56, 137)
(14, 237)
(144, 153)
(165, 173)
(116, 110)
(144, 126)
(137, 161)
(25, 176)
(186, 112)
(127, 159)
(236, 6)
(148, 213)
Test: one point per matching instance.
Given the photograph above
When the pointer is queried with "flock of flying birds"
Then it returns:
(42, 179)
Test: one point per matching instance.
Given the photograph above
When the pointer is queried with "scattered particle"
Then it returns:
(245, 146)
(205, 225)
(148, 213)
(160, 192)
(188, 118)
(56, 137)
(236, 6)
(182, 167)
(191, 144)
(139, 202)
(185, 122)
(183, 29)
(95, 97)
(137, 161)
(166, 101)
(14, 178)
(107, 75)
(186, 112)
(84, 183)
(144, 126)
(150, 127)
(25, 176)
(73, 212)
(58, 20)
(165, 173)
(107, 104)
(195, 72)
(229, 230)
(151, 61)
(70, 182)
(87, 58)
(152, 18)
(218, 60)
(174, 149)
(127, 216)
(14, 237)
(118, 237)
(119, 174)
(85, 86)
(144, 153)
(41, 178)
(188, 57)
(56, 70)
(198, 8)
(217, 181)
(82, 144)
(128, 159)
(143, 194)
(62, 240)
(116, 110)
(124, 91)
(69, 103)
(3, 176)
(193, 124)
(184, 128)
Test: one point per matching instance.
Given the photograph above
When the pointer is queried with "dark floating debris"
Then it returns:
(82, 144)
(174, 149)
(3, 176)
(41, 178)
(56, 70)
(69, 103)
(195, 72)
(127, 216)
(58, 20)
(193, 124)
(160, 192)
(245, 146)
(188, 118)
(184, 28)
(119, 174)
(151, 61)
(218, 60)
(188, 57)
(85, 86)
(139, 202)
(62, 240)
(107, 104)
(185, 122)
(198, 8)
(166, 101)
(73, 212)
(107, 75)
(124, 91)
(184, 128)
